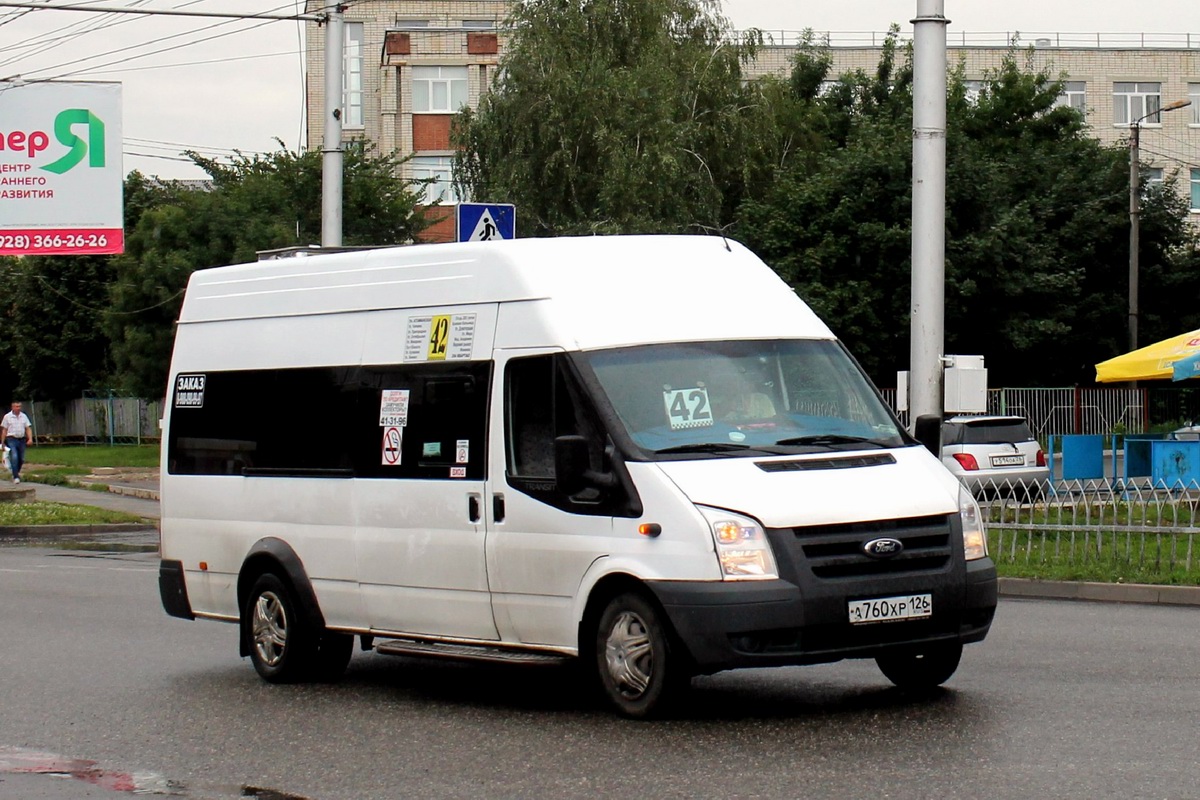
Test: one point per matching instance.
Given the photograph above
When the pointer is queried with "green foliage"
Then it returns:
(22, 514)
(612, 116)
(81, 458)
(1036, 228)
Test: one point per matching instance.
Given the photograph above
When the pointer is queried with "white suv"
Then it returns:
(994, 455)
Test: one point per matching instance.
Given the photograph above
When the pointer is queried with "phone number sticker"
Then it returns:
(62, 242)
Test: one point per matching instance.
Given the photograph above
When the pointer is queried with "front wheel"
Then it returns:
(638, 668)
(923, 668)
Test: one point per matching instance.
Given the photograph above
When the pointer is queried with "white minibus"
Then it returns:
(642, 453)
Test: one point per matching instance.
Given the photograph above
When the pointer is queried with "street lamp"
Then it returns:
(1135, 197)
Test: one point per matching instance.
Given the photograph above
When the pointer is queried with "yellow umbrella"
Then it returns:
(1152, 362)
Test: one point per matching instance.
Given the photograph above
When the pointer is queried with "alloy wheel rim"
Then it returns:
(269, 628)
(629, 655)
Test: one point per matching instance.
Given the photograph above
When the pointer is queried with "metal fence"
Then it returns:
(1068, 410)
(1095, 531)
(96, 420)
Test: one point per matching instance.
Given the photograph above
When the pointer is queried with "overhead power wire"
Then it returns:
(126, 60)
(164, 12)
(162, 39)
(192, 63)
(50, 41)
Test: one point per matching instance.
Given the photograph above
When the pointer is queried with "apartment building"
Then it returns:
(410, 65)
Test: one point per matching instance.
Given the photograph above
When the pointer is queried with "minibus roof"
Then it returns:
(588, 284)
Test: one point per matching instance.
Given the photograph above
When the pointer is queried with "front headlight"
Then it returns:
(974, 536)
(742, 547)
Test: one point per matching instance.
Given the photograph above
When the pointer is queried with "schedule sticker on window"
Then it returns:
(441, 337)
(688, 408)
(393, 408)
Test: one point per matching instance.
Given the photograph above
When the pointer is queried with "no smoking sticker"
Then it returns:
(391, 446)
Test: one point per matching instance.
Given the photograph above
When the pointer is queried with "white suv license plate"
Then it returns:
(888, 609)
(1008, 461)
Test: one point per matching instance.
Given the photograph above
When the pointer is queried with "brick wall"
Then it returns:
(442, 229)
(431, 132)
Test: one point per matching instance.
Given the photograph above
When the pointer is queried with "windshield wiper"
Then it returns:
(831, 439)
(703, 447)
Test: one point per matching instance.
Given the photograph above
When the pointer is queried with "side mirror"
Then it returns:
(928, 431)
(570, 464)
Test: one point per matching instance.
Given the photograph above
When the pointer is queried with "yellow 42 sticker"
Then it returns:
(439, 337)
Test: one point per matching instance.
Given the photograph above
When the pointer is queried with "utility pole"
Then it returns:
(1135, 192)
(331, 151)
(927, 325)
(1135, 206)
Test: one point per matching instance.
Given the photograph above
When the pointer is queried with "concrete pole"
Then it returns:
(1135, 190)
(331, 151)
(927, 327)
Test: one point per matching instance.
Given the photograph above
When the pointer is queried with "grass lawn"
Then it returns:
(21, 514)
(1160, 559)
(94, 456)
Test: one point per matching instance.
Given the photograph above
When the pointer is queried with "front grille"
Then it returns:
(836, 551)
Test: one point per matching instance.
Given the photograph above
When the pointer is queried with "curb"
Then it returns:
(1142, 593)
(51, 531)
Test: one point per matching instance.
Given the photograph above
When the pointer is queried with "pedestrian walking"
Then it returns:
(17, 432)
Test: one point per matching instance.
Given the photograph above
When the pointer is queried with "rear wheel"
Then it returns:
(639, 670)
(924, 668)
(284, 648)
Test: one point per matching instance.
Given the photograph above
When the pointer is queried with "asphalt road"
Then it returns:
(1063, 700)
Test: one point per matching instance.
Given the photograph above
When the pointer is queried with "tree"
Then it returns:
(612, 116)
(1036, 227)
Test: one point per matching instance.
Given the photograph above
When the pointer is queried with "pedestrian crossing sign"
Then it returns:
(486, 222)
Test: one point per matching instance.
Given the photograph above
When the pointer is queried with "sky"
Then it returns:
(247, 90)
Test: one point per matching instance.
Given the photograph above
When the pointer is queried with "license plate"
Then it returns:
(887, 609)
(1008, 461)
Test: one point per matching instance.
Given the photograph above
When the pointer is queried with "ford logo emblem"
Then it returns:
(883, 548)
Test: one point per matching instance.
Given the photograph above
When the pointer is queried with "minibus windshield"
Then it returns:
(729, 398)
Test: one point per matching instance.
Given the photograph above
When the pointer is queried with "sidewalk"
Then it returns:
(147, 509)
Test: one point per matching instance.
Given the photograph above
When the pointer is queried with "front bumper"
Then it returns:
(776, 623)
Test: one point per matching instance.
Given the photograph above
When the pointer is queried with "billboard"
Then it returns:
(60, 168)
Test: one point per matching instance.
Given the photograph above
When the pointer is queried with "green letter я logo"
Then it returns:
(93, 147)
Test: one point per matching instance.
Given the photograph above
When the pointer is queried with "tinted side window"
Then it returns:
(445, 430)
(543, 400)
(414, 421)
(225, 422)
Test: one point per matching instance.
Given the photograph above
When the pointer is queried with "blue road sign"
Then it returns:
(486, 222)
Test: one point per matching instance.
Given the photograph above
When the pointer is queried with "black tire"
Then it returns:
(282, 646)
(922, 669)
(640, 671)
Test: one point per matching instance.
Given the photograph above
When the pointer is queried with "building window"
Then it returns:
(352, 76)
(479, 24)
(438, 170)
(1194, 96)
(972, 90)
(1132, 101)
(1152, 180)
(1195, 189)
(1074, 95)
(439, 90)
